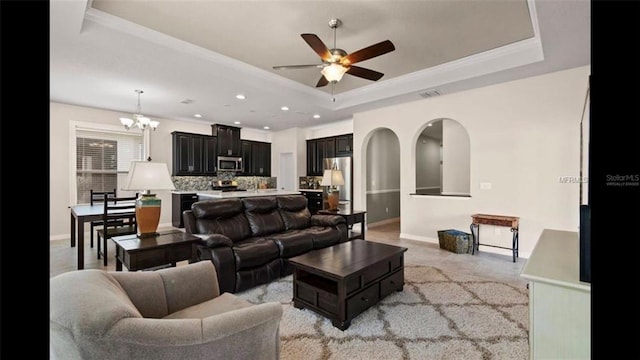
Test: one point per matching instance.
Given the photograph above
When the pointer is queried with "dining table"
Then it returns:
(83, 213)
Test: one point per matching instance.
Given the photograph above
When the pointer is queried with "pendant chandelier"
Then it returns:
(140, 121)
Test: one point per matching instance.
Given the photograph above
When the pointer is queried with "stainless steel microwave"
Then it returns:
(230, 163)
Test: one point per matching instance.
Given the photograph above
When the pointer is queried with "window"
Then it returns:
(100, 156)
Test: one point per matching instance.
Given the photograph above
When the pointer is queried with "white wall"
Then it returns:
(61, 115)
(330, 129)
(455, 158)
(427, 163)
(289, 141)
(523, 135)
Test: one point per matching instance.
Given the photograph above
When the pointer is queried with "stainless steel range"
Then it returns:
(225, 185)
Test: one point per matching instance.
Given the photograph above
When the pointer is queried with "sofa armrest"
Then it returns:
(213, 241)
(327, 220)
(189, 221)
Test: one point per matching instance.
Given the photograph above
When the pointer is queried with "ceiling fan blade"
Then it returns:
(322, 82)
(368, 53)
(364, 73)
(317, 45)
(280, 67)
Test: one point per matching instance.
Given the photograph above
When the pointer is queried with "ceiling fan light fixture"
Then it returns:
(334, 72)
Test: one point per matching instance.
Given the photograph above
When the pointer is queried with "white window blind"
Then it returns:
(100, 155)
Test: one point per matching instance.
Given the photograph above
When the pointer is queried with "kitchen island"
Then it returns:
(218, 194)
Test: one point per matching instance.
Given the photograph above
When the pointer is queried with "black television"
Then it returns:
(585, 243)
(585, 202)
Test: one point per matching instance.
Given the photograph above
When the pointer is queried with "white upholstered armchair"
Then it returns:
(174, 313)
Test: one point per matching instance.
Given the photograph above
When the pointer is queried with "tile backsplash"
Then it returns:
(309, 182)
(188, 183)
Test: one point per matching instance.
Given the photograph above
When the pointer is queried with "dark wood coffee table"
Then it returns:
(166, 248)
(344, 280)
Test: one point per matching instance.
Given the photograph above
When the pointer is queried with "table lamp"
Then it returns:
(145, 176)
(333, 178)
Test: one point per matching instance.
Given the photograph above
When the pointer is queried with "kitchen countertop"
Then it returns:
(181, 192)
(217, 194)
(311, 190)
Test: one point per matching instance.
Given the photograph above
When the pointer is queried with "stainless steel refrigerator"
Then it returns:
(346, 191)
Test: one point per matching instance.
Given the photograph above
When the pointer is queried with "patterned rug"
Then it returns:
(437, 316)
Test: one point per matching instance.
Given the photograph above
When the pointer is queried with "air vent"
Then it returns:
(429, 93)
(186, 101)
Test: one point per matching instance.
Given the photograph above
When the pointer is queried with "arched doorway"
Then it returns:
(383, 178)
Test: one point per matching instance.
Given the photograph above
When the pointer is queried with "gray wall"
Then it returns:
(427, 163)
(383, 176)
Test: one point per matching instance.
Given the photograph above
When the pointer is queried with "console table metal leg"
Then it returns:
(514, 244)
(475, 238)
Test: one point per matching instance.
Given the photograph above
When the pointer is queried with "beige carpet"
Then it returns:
(437, 316)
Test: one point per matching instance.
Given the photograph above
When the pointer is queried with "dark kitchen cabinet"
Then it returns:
(180, 203)
(210, 155)
(256, 158)
(315, 201)
(319, 149)
(246, 158)
(311, 158)
(261, 158)
(344, 145)
(187, 154)
(229, 143)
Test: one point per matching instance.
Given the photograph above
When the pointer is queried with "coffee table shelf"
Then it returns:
(341, 287)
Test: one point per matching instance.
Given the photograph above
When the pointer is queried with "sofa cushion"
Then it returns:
(293, 242)
(254, 252)
(263, 215)
(294, 211)
(221, 216)
(323, 236)
(221, 304)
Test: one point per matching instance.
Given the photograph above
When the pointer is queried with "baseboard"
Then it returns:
(383, 222)
(489, 249)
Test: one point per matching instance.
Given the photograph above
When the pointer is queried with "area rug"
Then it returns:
(438, 315)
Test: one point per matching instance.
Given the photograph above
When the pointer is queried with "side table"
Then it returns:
(497, 220)
(168, 247)
(351, 217)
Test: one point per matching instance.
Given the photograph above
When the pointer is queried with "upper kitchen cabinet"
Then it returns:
(256, 158)
(319, 149)
(344, 145)
(210, 154)
(194, 154)
(187, 154)
(246, 157)
(229, 143)
(261, 158)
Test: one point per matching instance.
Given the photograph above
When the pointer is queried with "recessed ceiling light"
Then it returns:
(240, 97)
(236, 122)
(197, 115)
(266, 128)
(429, 124)
(316, 116)
(284, 108)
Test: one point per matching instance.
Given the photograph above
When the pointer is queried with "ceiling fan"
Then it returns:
(336, 62)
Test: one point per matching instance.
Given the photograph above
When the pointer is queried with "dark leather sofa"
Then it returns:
(250, 239)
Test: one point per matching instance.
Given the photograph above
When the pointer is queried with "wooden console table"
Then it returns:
(496, 220)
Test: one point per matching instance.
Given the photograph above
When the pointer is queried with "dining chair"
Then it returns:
(97, 197)
(117, 208)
